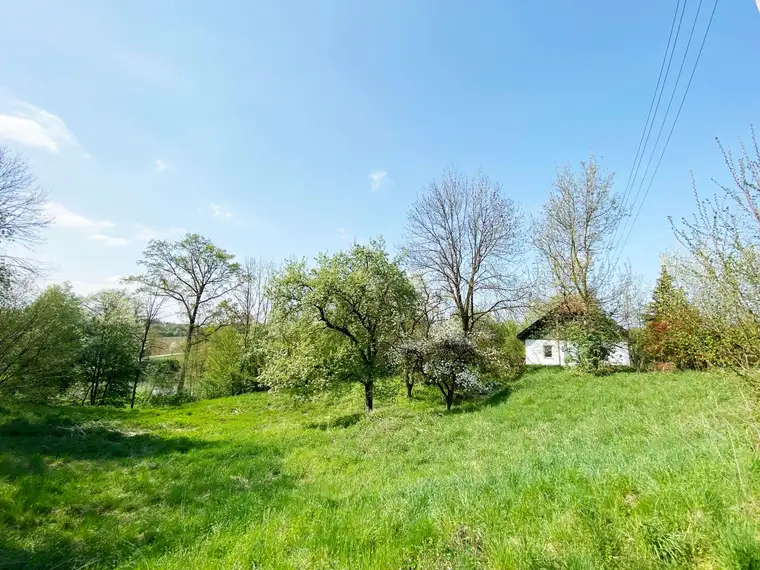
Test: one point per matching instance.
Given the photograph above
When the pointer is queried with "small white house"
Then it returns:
(542, 346)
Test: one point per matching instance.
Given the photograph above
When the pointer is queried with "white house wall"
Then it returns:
(534, 353)
(620, 356)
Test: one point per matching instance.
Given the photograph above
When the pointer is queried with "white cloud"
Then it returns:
(63, 217)
(144, 233)
(161, 165)
(109, 240)
(90, 287)
(377, 178)
(342, 234)
(37, 128)
(220, 211)
(93, 229)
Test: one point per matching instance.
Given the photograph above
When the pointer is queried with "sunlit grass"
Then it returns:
(564, 471)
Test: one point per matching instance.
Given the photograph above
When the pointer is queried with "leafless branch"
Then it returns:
(467, 239)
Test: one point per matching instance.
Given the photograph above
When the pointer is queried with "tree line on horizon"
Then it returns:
(443, 312)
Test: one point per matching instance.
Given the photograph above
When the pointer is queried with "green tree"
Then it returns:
(427, 310)
(195, 274)
(111, 344)
(39, 343)
(222, 371)
(353, 302)
(593, 335)
(673, 330)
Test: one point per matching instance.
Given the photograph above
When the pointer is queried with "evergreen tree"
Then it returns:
(672, 326)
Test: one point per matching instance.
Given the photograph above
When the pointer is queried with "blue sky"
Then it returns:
(288, 128)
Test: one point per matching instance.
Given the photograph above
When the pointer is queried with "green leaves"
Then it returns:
(336, 321)
(594, 336)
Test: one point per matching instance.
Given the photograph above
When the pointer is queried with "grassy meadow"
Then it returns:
(561, 470)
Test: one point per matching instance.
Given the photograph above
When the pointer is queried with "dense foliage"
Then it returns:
(673, 330)
(357, 316)
(339, 320)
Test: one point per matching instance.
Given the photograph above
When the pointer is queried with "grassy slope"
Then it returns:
(567, 471)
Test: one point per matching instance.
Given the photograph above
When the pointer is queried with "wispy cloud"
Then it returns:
(91, 228)
(220, 211)
(342, 234)
(63, 217)
(377, 178)
(144, 233)
(109, 240)
(161, 165)
(36, 128)
(110, 282)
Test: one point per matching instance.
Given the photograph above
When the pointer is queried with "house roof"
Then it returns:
(569, 307)
(563, 309)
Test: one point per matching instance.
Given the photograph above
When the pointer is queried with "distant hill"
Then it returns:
(170, 329)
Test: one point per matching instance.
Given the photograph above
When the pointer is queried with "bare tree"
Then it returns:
(466, 237)
(575, 233)
(428, 310)
(147, 305)
(194, 273)
(249, 302)
(21, 212)
(721, 268)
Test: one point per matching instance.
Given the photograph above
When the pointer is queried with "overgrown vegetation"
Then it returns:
(560, 471)
(557, 470)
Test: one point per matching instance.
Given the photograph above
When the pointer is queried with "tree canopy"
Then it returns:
(195, 274)
(354, 302)
(468, 238)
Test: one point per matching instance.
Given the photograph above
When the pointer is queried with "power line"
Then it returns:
(663, 123)
(659, 89)
(672, 128)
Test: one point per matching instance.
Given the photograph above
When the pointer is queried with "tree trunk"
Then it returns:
(185, 358)
(450, 393)
(465, 317)
(134, 387)
(138, 371)
(87, 393)
(94, 392)
(109, 382)
(368, 397)
(409, 380)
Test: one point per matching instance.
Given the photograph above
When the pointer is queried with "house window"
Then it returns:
(548, 351)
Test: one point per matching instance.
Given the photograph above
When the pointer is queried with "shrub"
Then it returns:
(594, 336)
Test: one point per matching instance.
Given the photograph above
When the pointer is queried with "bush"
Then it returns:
(594, 336)
(160, 378)
(503, 354)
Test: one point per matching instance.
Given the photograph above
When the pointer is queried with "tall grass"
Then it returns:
(562, 471)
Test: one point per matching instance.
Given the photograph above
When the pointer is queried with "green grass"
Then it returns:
(563, 471)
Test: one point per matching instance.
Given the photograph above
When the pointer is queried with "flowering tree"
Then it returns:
(446, 358)
(339, 319)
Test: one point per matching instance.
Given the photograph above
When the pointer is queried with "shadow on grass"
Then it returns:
(496, 398)
(57, 437)
(339, 422)
(78, 494)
